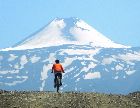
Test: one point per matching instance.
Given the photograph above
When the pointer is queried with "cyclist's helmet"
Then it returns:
(56, 61)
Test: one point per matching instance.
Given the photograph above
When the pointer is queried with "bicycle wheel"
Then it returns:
(57, 83)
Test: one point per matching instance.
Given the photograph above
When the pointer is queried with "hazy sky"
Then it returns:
(119, 20)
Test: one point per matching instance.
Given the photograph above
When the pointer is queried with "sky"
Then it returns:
(119, 20)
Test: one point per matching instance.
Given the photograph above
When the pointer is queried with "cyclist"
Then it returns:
(57, 69)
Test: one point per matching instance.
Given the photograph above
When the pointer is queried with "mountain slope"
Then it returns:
(67, 31)
(92, 62)
(88, 69)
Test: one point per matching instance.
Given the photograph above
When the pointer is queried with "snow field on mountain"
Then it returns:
(93, 75)
(12, 57)
(19, 79)
(35, 59)
(86, 68)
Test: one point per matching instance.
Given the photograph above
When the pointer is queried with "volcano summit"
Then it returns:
(67, 31)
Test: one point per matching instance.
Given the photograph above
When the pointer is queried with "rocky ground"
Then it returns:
(15, 99)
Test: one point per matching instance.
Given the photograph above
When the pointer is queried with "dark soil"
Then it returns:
(15, 99)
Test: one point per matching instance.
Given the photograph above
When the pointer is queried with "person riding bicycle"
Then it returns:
(57, 69)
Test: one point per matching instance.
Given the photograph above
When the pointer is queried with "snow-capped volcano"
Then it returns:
(107, 68)
(67, 31)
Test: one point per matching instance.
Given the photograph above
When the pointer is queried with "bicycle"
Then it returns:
(58, 70)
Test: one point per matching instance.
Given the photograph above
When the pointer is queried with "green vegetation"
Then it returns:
(14, 99)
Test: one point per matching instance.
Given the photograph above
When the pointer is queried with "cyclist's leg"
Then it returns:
(55, 77)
